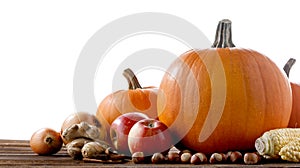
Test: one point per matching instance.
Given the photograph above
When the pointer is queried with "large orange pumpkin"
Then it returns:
(295, 115)
(135, 99)
(223, 98)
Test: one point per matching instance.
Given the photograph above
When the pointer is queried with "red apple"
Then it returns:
(149, 136)
(120, 128)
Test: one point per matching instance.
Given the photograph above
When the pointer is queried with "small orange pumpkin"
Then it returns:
(135, 99)
(223, 98)
(295, 115)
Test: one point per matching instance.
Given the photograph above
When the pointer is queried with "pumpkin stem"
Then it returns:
(287, 67)
(132, 80)
(223, 35)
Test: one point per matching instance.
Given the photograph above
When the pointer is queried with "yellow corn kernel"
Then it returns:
(291, 151)
(271, 142)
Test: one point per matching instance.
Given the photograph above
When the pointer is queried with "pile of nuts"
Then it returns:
(86, 142)
(176, 156)
(83, 142)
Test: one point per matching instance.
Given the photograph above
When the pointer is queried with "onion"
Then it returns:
(46, 141)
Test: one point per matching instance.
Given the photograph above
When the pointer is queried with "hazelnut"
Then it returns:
(157, 158)
(138, 157)
(251, 158)
(185, 151)
(174, 150)
(174, 157)
(185, 157)
(198, 158)
(235, 157)
(217, 158)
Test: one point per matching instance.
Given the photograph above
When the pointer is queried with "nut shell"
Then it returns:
(82, 130)
(138, 157)
(77, 118)
(74, 147)
(94, 150)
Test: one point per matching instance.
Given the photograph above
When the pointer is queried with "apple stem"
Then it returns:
(151, 125)
(132, 80)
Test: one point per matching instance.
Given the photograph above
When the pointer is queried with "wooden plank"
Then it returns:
(18, 153)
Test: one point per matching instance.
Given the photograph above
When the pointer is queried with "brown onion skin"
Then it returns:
(46, 141)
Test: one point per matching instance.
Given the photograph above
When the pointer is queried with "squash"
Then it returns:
(223, 98)
(295, 115)
(135, 99)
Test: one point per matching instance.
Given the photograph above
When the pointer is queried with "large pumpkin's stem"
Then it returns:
(223, 35)
(287, 67)
(132, 79)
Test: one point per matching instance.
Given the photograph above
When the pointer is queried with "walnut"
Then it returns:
(82, 130)
(94, 150)
(74, 147)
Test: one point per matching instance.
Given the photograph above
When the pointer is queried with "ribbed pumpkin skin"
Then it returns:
(124, 101)
(221, 99)
(295, 115)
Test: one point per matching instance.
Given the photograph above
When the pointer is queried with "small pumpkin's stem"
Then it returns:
(131, 79)
(223, 37)
(287, 67)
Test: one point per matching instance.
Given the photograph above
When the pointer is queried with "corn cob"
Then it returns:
(271, 142)
(291, 151)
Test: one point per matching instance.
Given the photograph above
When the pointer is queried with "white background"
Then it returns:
(40, 42)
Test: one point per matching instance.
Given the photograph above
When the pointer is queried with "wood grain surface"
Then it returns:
(18, 153)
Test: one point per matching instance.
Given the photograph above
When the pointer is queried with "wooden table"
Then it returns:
(18, 153)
